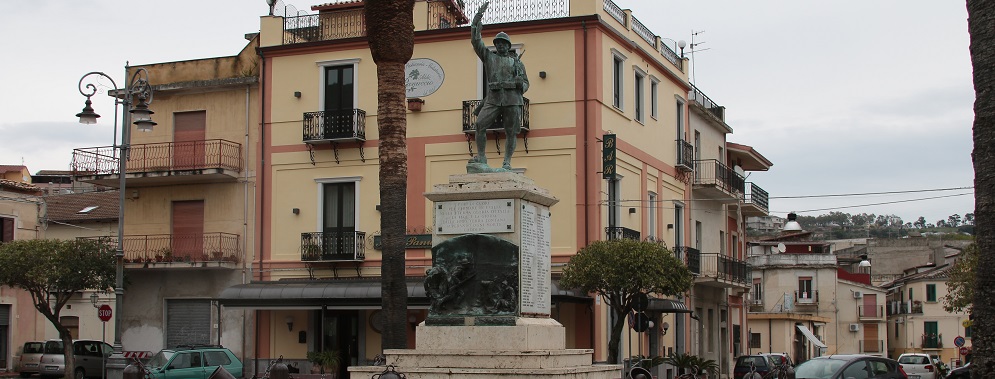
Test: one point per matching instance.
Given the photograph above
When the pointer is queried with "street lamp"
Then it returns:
(136, 97)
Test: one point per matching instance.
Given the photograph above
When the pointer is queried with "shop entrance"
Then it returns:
(339, 331)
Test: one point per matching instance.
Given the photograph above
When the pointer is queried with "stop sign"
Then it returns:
(964, 351)
(105, 313)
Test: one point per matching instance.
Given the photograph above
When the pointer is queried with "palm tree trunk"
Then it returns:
(981, 17)
(390, 31)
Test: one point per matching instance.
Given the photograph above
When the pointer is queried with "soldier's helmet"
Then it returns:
(502, 36)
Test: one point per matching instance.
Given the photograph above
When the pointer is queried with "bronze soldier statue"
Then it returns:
(506, 83)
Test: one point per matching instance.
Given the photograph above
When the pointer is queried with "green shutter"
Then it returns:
(930, 292)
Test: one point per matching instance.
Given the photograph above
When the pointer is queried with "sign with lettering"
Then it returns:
(535, 250)
(104, 313)
(475, 216)
(411, 241)
(608, 150)
(422, 77)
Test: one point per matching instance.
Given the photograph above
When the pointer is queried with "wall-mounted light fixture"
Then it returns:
(297, 94)
(664, 327)
(542, 74)
(632, 210)
(290, 323)
(297, 211)
(670, 226)
(93, 299)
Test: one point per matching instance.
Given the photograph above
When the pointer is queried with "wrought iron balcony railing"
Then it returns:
(723, 267)
(691, 258)
(157, 157)
(470, 118)
(904, 307)
(807, 298)
(870, 312)
(333, 246)
(335, 125)
(685, 156)
(619, 232)
(757, 196)
(711, 172)
(705, 102)
(932, 341)
(179, 248)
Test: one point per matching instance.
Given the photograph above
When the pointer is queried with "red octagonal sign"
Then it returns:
(104, 312)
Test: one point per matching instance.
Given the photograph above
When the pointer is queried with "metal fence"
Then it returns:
(166, 156)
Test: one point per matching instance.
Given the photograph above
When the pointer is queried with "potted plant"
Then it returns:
(415, 104)
(324, 361)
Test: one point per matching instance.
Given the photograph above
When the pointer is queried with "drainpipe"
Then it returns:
(261, 188)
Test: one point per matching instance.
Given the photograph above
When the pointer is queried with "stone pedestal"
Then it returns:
(490, 289)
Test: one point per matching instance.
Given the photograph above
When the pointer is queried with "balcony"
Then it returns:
(685, 156)
(803, 298)
(345, 246)
(871, 346)
(716, 181)
(691, 258)
(177, 251)
(334, 127)
(932, 341)
(756, 305)
(904, 307)
(347, 21)
(619, 232)
(157, 164)
(705, 104)
(720, 270)
(496, 128)
(870, 313)
(755, 203)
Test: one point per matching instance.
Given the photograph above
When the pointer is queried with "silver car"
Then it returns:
(31, 354)
(90, 356)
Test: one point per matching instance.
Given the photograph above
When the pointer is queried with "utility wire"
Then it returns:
(883, 203)
(871, 193)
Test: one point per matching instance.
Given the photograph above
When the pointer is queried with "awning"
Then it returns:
(667, 306)
(810, 336)
(348, 293)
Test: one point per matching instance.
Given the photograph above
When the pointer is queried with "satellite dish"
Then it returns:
(781, 248)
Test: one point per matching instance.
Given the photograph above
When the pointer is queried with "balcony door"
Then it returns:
(339, 218)
(187, 239)
(339, 99)
(188, 140)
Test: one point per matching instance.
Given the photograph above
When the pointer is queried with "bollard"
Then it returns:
(133, 372)
(279, 370)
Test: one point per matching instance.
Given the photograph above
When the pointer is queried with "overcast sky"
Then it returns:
(848, 96)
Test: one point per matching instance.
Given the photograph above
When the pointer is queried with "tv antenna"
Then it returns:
(695, 47)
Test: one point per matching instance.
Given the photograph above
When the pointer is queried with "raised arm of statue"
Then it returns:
(475, 31)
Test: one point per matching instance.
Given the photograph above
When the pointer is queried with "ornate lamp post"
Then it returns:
(135, 98)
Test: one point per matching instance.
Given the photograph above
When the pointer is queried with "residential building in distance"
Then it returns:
(805, 303)
(189, 202)
(916, 317)
(765, 224)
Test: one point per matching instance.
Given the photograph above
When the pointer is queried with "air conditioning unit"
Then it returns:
(854, 327)
(857, 294)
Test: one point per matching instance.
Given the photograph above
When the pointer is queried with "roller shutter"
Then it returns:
(188, 322)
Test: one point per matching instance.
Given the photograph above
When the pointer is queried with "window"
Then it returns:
(71, 323)
(896, 329)
(216, 358)
(338, 95)
(758, 291)
(722, 242)
(805, 288)
(711, 328)
(654, 84)
(339, 218)
(6, 229)
(697, 146)
(967, 332)
(735, 247)
(910, 294)
(652, 216)
(678, 224)
(754, 340)
(638, 96)
(617, 77)
(697, 235)
(615, 201)
(680, 120)
(931, 292)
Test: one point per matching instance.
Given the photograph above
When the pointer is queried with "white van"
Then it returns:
(90, 356)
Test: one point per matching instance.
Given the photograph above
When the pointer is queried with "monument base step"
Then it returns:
(527, 334)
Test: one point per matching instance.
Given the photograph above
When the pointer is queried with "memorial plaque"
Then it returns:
(475, 216)
(535, 260)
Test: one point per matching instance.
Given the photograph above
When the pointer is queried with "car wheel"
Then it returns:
(80, 374)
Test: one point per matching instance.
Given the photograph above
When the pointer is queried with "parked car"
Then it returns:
(193, 362)
(90, 356)
(962, 372)
(849, 366)
(31, 354)
(919, 366)
(762, 364)
(780, 358)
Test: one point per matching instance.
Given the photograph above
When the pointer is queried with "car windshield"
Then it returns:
(160, 358)
(913, 360)
(34, 348)
(53, 347)
(818, 368)
(758, 361)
